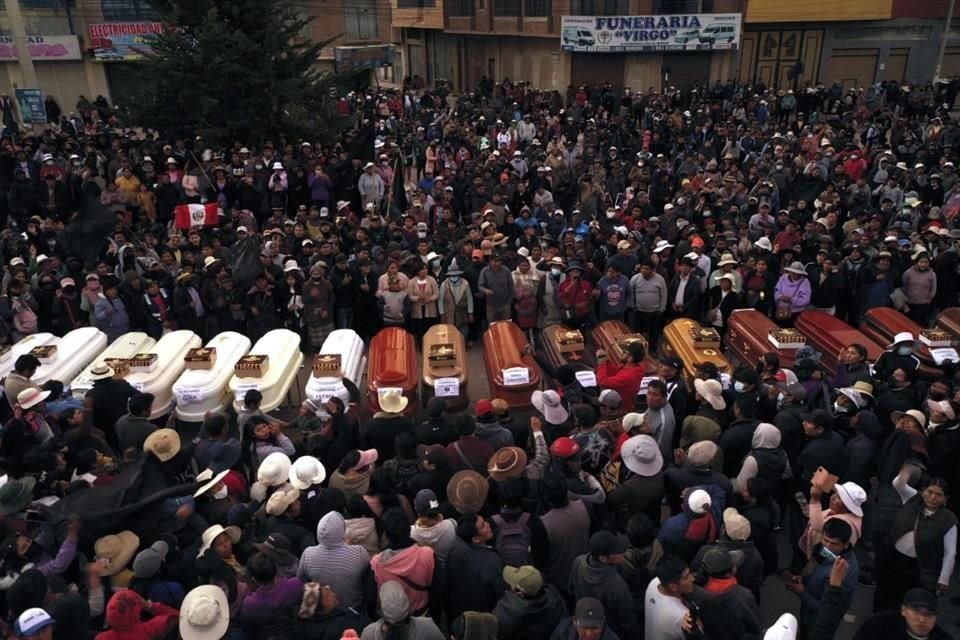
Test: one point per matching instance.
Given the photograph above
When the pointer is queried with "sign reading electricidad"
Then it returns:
(684, 32)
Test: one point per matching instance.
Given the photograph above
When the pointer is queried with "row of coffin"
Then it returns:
(394, 365)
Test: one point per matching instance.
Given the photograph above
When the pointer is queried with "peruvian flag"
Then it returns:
(197, 215)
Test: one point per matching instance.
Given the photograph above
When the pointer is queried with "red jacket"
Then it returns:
(576, 296)
(624, 379)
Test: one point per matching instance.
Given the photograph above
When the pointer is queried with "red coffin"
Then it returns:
(949, 321)
(883, 323)
(503, 346)
(607, 336)
(829, 335)
(748, 338)
(393, 364)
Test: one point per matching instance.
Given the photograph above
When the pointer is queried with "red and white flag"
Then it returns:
(197, 215)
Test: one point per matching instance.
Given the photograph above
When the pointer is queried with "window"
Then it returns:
(415, 4)
(120, 10)
(360, 20)
(682, 6)
(599, 7)
(536, 8)
(46, 4)
(460, 8)
(507, 8)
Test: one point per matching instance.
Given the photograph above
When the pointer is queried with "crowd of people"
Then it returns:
(639, 506)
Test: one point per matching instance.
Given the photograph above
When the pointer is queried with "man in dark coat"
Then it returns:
(696, 469)
(471, 557)
(737, 440)
(109, 396)
(595, 575)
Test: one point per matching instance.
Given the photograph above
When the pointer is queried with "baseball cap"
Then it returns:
(718, 561)
(33, 620)
(673, 362)
(610, 399)
(914, 598)
(434, 454)
(819, 418)
(426, 503)
(526, 579)
(605, 543)
(482, 407)
(589, 612)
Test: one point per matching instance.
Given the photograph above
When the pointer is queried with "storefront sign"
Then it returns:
(42, 48)
(32, 109)
(353, 58)
(122, 40)
(687, 32)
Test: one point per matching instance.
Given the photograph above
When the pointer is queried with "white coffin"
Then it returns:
(23, 347)
(170, 350)
(75, 351)
(126, 346)
(348, 345)
(283, 348)
(198, 391)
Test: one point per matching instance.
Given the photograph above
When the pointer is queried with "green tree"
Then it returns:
(237, 70)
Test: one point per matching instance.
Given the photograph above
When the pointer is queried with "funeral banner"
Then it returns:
(618, 34)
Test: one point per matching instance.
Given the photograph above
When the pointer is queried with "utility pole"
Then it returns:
(943, 41)
(27, 71)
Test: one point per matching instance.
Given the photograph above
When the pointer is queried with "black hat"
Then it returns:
(605, 543)
(673, 362)
(719, 562)
(589, 612)
(920, 599)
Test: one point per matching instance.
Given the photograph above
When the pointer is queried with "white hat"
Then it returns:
(852, 496)
(277, 165)
(911, 413)
(211, 482)
(903, 336)
(306, 471)
(633, 420)
(17, 262)
(712, 392)
(31, 621)
(204, 614)
(642, 455)
(796, 268)
(213, 532)
(290, 265)
(172, 160)
(274, 470)
(209, 260)
(100, 372)
(764, 243)
(281, 499)
(785, 628)
(242, 229)
(42, 258)
(727, 258)
(662, 245)
(549, 404)
(699, 501)
(31, 396)
(944, 407)
(393, 401)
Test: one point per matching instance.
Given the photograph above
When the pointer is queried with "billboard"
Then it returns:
(122, 40)
(32, 109)
(363, 57)
(42, 48)
(683, 32)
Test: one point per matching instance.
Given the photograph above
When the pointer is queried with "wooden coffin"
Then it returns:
(513, 377)
(829, 335)
(566, 346)
(749, 337)
(679, 341)
(949, 321)
(883, 323)
(393, 365)
(445, 360)
(612, 336)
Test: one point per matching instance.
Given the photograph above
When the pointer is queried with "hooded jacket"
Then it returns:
(333, 562)
(440, 537)
(412, 567)
(765, 460)
(532, 618)
(396, 610)
(861, 449)
(123, 616)
(589, 578)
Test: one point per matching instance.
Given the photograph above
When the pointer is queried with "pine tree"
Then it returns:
(238, 70)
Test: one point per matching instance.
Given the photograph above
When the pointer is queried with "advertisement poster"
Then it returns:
(42, 48)
(32, 109)
(363, 57)
(620, 34)
(122, 40)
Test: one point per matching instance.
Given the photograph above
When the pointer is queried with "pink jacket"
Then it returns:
(412, 567)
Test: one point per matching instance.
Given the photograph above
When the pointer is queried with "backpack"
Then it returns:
(513, 540)
(25, 320)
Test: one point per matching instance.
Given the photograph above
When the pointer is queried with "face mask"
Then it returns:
(611, 215)
(221, 494)
(904, 351)
(779, 400)
(738, 387)
(421, 234)
(555, 273)
(838, 408)
(454, 279)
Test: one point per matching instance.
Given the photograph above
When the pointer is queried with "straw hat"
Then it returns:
(508, 462)
(118, 550)
(393, 402)
(796, 268)
(204, 614)
(726, 259)
(274, 470)
(163, 443)
(306, 471)
(31, 397)
(281, 499)
(211, 482)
